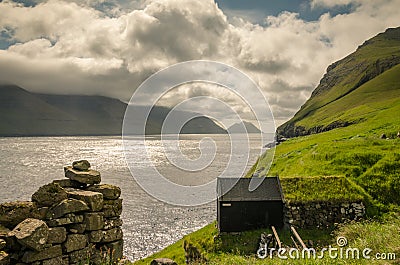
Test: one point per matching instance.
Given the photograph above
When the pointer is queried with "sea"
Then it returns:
(26, 163)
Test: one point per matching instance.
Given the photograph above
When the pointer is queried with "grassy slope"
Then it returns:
(350, 71)
(380, 236)
(356, 151)
(363, 103)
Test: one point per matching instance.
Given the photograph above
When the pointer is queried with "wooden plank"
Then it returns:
(296, 235)
(278, 241)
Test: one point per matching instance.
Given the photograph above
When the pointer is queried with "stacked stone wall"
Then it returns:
(321, 214)
(75, 220)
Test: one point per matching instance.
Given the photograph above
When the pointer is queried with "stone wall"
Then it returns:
(75, 220)
(321, 214)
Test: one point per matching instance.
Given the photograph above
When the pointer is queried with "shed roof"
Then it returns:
(269, 190)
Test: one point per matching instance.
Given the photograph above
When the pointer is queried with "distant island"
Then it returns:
(237, 127)
(24, 113)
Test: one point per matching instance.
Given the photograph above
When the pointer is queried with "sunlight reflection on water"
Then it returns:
(149, 225)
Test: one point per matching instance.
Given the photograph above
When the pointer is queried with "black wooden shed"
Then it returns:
(240, 209)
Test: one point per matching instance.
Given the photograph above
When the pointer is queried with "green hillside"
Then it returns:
(355, 151)
(339, 100)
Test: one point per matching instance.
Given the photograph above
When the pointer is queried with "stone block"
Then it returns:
(89, 177)
(49, 195)
(65, 207)
(67, 219)
(55, 261)
(4, 258)
(93, 199)
(47, 253)
(77, 228)
(110, 192)
(95, 236)
(41, 213)
(112, 208)
(80, 256)
(81, 165)
(11, 242)
(111, 235)
(115, 249)
(75, 242)
(67, 183)
(112, 223)
(57, 235)
(32, 233)
(13, 213)
(94, 221)
(3, 244)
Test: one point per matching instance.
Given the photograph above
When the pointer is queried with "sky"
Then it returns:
(109, 47)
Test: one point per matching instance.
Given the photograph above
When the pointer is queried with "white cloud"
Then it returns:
(67, 47)
(330, 3)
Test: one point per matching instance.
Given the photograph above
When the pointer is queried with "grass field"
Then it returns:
(380, 236)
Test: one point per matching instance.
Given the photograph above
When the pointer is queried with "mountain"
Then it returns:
(353, 90)
(250, 127)
(23, 113)
(351, 125)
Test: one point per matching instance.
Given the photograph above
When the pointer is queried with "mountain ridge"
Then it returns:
(24, 113)
(371, 59)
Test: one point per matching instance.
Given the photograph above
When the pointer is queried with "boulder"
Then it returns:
(13, 213)
(93, 199)
(67, 219)
(67, 206)
(82, 165)
(4, 258)
(111, 235)
(49, 195)
(32, 233)
(47, 253)
(57, 235)
(112, 208)
(75, 242)
(93, 221)
(89, 177)
(110, 192)
(163, 261)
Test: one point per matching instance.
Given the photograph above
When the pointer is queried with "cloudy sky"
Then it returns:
(108, 47)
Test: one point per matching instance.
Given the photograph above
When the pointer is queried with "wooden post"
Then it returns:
(278, 241)
(298, 238)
